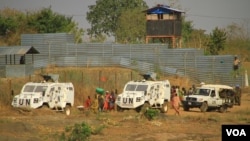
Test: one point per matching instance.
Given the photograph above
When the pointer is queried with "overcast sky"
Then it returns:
(205, 14)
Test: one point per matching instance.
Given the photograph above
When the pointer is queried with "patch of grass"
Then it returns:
(152, 114)
(78, 132)
(5, 121)
(87, 113)
(97, 130)
(243, 115)
(204, 118)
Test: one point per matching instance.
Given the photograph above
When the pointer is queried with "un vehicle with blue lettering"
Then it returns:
(52, 94)
(143, 94)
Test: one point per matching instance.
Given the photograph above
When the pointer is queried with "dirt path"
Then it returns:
(47, 125)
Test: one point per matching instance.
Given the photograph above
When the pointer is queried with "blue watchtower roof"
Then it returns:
(162, 9)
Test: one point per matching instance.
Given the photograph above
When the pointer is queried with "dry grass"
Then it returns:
(85, 81)
(122, 126)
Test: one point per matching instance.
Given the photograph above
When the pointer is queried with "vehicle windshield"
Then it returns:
(41, 88)
(29, 88)
(33, 88)
(201, 91)
(134, 87)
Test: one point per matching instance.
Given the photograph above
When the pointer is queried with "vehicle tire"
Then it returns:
(45, 106)
(204, 107)
(145, 107)
(119, 109)
(138, 109)
(67, 110)
(164, 108)
(185, 108)
(223, 109)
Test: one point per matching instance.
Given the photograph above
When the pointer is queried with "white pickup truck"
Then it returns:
(209, 97)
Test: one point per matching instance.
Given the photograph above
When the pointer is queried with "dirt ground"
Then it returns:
(47, 125)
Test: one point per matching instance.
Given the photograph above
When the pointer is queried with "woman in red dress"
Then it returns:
(106, 101)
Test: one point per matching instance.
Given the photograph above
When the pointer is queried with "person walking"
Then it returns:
(176, 103)
(100, 102)
(87, 103)
(95, 105)
(106, 101)
(112, 101)
(237, 95)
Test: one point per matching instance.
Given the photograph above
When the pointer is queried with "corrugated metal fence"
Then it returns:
(60, 50)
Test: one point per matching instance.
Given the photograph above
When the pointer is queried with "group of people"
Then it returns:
(177, 95)
(107, 102)
(101, 103)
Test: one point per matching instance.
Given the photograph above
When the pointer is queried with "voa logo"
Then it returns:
(236, 132)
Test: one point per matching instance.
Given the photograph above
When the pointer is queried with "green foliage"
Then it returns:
(98, 38)
(79, 132)
(131, 27)
(7, 24)
(46, 21)
(187, 29)
(14, 23)
(199, 39)
(77, 32)
(104, 16)
(152, 114)
(217, 41)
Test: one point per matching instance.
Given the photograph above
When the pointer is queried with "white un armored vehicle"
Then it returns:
(209, 97)
(145, 94)
(55, 95)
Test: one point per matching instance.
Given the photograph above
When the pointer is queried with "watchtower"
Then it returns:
(164, 23)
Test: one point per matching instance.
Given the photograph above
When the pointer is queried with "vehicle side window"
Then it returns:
(213, 93)
(223, 93)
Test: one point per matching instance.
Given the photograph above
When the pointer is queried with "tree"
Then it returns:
(7, 24)
(187, 29)
(199, 39)
(238, 41)
(216, 41)
(12, 24)
(104, 16)
(131, 27)
(99, 38)
(46, 21)
(78, 33)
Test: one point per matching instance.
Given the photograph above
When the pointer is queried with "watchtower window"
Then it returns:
(160, 16)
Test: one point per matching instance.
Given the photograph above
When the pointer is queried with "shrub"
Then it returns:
(151, 114)
(79, 132)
